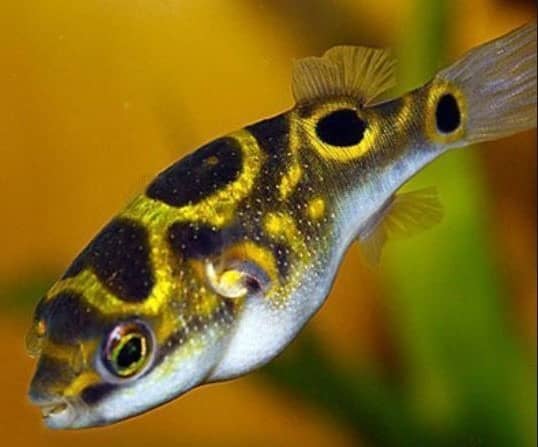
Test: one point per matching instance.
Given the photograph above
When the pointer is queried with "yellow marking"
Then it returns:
(290, 180)
(97, 295)
(230, 279)
(438, 89)
(282, 227)
(261, 256)
(316, 208)
(169, 323)
(80, 382)
(405, 114)
(216, 210)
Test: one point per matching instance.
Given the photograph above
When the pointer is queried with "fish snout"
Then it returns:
(57, 411)
(46, 388)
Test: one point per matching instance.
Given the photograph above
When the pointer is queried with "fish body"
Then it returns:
(219, 263)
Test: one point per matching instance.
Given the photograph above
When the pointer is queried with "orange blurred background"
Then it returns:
(98, 96)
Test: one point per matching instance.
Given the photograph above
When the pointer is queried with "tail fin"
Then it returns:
(498, 83)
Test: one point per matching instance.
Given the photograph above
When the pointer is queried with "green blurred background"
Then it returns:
(436, 347)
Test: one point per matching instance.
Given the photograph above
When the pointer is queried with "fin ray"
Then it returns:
(498, 80)
(405, 215)
(359, 72)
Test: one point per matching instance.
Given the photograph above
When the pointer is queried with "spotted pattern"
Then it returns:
(200, 174)
(119, 257)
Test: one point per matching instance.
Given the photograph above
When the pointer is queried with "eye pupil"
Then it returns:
(341, 128)
(130, 353)
(447, 114)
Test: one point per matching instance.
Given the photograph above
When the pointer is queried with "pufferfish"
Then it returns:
(215, 268)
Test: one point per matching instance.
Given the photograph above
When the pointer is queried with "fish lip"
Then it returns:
(57, 413)
(48, 410)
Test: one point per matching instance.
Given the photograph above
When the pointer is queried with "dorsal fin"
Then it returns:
(359, 72)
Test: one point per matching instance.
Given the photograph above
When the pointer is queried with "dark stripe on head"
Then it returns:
(69, 319)
(93, 394)
(272, 134)
(198, 175)
(119, 256)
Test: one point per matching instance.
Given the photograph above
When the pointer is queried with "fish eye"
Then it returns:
(447, 114)
(127, 349)
(341, 128)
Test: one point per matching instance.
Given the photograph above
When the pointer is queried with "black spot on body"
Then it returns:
(341, 128)
(93, 394)
(198, 175)
(68, 319)
(447, 114)
(119, 256)
(192, 241)
(271, 134)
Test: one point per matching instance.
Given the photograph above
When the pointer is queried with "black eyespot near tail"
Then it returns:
(341, 128)
(447, 114)
(495, 85)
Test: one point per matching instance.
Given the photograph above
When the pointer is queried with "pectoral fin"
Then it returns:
(244, 269)
(404, 215)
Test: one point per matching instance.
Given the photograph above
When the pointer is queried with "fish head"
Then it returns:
(97, 366)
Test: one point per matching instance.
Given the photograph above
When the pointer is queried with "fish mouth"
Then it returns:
(48, 410)
(58, 414)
